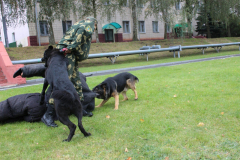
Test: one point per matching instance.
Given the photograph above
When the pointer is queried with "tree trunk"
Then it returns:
(189, 22)
(95, 16)
(229, 30)
(165, 31)
(208, 29)
(134, 17)
(51, 34)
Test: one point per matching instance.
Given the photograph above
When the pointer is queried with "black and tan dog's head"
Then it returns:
(102, 91)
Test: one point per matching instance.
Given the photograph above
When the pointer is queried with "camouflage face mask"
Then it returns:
(90, 24)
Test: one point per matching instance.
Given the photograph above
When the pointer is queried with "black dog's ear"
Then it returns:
(50, 47)
(106, 89)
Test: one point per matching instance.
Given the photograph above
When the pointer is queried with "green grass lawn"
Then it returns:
(188, 111)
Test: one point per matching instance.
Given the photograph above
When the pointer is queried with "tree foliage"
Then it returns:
(218, 15)
(105, 8)
(15, 11)
(189, 11)
(162, 10)
(50, 10)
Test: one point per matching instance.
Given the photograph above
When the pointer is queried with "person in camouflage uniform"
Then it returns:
(77, 41)
(75, 44)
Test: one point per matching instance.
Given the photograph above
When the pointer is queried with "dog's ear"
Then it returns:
(106, 89)
(50, 47)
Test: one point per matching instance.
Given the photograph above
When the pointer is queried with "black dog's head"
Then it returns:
(102, 91)
(47, 54)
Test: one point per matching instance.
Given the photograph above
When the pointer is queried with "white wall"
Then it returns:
(21, 34)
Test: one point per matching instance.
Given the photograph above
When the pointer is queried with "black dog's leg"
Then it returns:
(45, 85)
(71, 126)
(64, 119)
(78, 114)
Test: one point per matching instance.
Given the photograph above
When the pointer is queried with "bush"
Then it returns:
(20, 45)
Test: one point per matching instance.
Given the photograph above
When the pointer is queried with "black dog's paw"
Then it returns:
(88, 114)
(88, 134)
(65, 140)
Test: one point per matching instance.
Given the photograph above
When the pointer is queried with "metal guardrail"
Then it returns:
(145, 50)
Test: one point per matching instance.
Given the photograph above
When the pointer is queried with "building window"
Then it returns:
(153, 3)
(168, 28)
(125, 3)
(140, 4)
(155, 26)
(178, 5)
(141, 26)
(126, 27)
(13, 37)
(66, 25)
(43, 28)
(106, 2)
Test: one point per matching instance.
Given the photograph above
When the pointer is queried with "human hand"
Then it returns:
(67, 51)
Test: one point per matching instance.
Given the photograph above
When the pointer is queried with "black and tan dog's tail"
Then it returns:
(135, 79)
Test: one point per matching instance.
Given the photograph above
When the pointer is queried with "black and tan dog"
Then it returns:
(112, 86)
(66, 99)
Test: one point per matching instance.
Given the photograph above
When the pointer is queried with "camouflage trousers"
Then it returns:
(73, 74)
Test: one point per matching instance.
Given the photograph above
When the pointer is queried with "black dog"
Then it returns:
(112, 86)
(66, 99)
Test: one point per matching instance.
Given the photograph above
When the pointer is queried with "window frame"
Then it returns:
(126, 4)
(153, 3)
(155, 22)
(106, 2)
(178, 5)
(13, 36)
(168, 28)
(139, 22)
(139, 4)
(44, 23)
(126, 28)
(66, 26)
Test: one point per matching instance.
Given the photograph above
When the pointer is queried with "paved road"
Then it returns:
(105, 72)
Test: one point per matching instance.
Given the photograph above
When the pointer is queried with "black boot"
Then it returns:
(87, 114)
(48, 117)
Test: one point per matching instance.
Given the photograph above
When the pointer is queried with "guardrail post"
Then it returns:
(145, 48)
(178, 50)
(113, 58)
(203, 49)
(218, 48)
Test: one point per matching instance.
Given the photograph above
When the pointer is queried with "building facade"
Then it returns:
(117, 29)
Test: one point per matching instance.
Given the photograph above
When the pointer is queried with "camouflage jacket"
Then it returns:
(78, 38)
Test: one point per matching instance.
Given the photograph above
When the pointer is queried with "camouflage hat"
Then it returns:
(92, 19)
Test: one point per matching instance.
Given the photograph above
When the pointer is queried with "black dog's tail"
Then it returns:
(62, 96)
